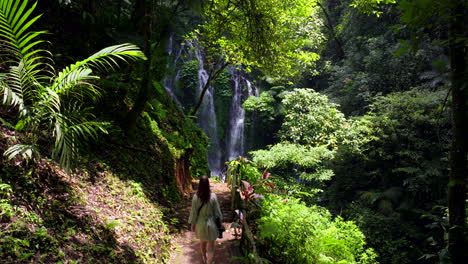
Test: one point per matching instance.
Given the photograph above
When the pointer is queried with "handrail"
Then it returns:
(247, 243)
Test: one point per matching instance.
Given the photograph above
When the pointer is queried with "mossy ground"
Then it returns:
(93, 215)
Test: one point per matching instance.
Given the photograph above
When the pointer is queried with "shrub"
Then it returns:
(292, 232)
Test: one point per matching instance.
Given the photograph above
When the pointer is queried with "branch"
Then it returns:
(330, 27)
(213, 76)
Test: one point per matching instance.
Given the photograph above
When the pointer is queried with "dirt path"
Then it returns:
(186, 248)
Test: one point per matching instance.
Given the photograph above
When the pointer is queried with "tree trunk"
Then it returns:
(154, 69)
(458, 156)
(141, 14)
(182, 172)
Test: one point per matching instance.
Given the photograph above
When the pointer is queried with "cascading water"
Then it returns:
(235, 143)
(206, 114)
(171, 80)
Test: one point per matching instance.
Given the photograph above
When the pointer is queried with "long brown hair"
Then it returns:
(204, 192)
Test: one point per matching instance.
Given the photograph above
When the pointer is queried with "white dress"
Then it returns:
(205, 228)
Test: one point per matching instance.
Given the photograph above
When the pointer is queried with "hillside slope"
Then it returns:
(92, 215)
(113, 207)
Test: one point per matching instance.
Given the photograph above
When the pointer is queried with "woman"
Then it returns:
(205, 209)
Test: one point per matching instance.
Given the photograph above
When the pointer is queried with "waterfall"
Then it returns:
(207, 119)
(235, 143)
(207, 116)
(171, 80)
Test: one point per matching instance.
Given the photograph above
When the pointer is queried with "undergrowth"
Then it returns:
(91, 216)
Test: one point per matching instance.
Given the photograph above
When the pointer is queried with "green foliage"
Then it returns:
(309, 160)
(291, 187)
(370, 66)
(371, 6)
(392, 238)
(266, 117)
(310, 119)
(274, 35)
(222, 101)
(282, 155)
(295, 233)
(178, 132)
(373, 70)
(430, 15)
(6, 209)
(399, 172)
(49, 102)
(242, 169)
(263, 104)
(188, 84)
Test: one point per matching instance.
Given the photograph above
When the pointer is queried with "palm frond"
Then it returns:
(17, 87)
(28, 152)
(15, 20)
(49, 102)
(108, 58)
(77, 78)
(72, 130)
(9, 95)
(77, 82)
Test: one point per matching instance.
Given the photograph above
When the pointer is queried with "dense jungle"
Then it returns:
(332, 131)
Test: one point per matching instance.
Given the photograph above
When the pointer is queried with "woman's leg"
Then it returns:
(203, 250)
(210, 252)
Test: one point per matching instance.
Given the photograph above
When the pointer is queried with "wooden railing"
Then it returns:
(247, 243)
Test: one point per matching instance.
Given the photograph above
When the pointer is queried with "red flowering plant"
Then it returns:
(247, 180)
(252, 191)
(265, 179)
(248, 192)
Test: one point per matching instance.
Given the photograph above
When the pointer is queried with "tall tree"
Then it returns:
(458, 156)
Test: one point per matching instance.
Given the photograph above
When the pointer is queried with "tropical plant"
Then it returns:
(310, 119)
(295, 233)
(253, 191)
(240, 169)
(50, 104)
(247, 193)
